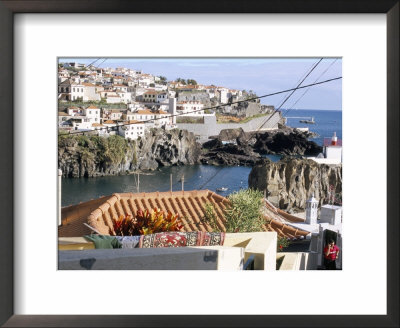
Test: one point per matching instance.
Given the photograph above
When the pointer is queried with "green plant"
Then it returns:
(210, 216)
(282, 243)
(244, 212)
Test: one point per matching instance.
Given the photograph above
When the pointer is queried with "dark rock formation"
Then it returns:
(91, 156)
(165, 148)
(230, 155)
(218, 152)
(290, 182)
(285, 142)
(245, 148)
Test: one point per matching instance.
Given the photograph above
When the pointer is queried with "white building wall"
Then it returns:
(333, 152)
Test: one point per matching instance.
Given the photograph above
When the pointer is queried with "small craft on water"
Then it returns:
(308, 121)
(222, 189)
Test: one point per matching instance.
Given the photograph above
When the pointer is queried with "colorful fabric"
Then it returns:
(128, 241)
(181, 239)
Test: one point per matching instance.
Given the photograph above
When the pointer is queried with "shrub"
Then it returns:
(244, 213)
(144, 223)
(210, 216)
(282, 243)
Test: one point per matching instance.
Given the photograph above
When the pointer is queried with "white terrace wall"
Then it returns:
(212, 128)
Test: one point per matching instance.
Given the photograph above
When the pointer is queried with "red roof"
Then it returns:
(190, 205)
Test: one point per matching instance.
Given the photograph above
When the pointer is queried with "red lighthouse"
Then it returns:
(334, 139)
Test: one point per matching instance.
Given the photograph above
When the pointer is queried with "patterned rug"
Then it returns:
(181, 239)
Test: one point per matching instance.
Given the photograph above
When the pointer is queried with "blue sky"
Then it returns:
(262, 75)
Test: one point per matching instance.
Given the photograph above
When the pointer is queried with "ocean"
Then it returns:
(195, 176)
(326, 122)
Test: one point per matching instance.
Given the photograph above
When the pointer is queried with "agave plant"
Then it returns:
(146, 222)
(156, 221)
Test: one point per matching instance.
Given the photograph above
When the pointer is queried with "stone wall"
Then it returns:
(212, 128)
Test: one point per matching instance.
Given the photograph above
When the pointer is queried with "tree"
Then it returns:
(191, 82)
(162, 78)
(180, 80)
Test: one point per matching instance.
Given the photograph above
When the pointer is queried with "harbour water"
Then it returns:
(195, 176)
(326, 122)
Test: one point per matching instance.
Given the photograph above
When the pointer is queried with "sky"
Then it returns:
(262, 75)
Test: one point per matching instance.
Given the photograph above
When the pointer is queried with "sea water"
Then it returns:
(194, 176)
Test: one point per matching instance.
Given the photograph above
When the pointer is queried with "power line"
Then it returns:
(312, 69)
(304, 93)
(301, 77)
(286, 99)
(213, 107)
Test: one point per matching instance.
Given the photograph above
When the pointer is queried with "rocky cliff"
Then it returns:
(165, 148)
(91, 156)
(290, 182)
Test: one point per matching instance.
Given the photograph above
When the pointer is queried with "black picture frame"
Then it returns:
(7, 11)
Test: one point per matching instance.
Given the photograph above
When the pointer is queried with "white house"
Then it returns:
(149, 96)
(223, 95)
(162, 97)
(332, 151)
(143, 115)
(89, 92)
(92, 113)
(120, 87)
(132, 129)
(126, 97)
(63, 75)
(144, 80)
(81, 123)
(190, 108)
(64, 90)
(74, 111)
(113, 114)
(113, 99)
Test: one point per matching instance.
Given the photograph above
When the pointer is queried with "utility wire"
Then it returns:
(304, 93)
(301, 77)
(213, 107)
(293, 91)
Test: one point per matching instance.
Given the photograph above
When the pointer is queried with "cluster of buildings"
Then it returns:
(138, 100)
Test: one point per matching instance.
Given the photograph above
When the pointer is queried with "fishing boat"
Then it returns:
(308, 121)
(222, 189)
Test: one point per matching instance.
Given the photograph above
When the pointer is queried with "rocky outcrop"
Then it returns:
(230, 155)
(285, 142)
(165, 148)
(290, 182)
(91, 156)
(245, 148)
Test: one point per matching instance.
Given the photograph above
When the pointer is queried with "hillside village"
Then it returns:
(128, 102)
